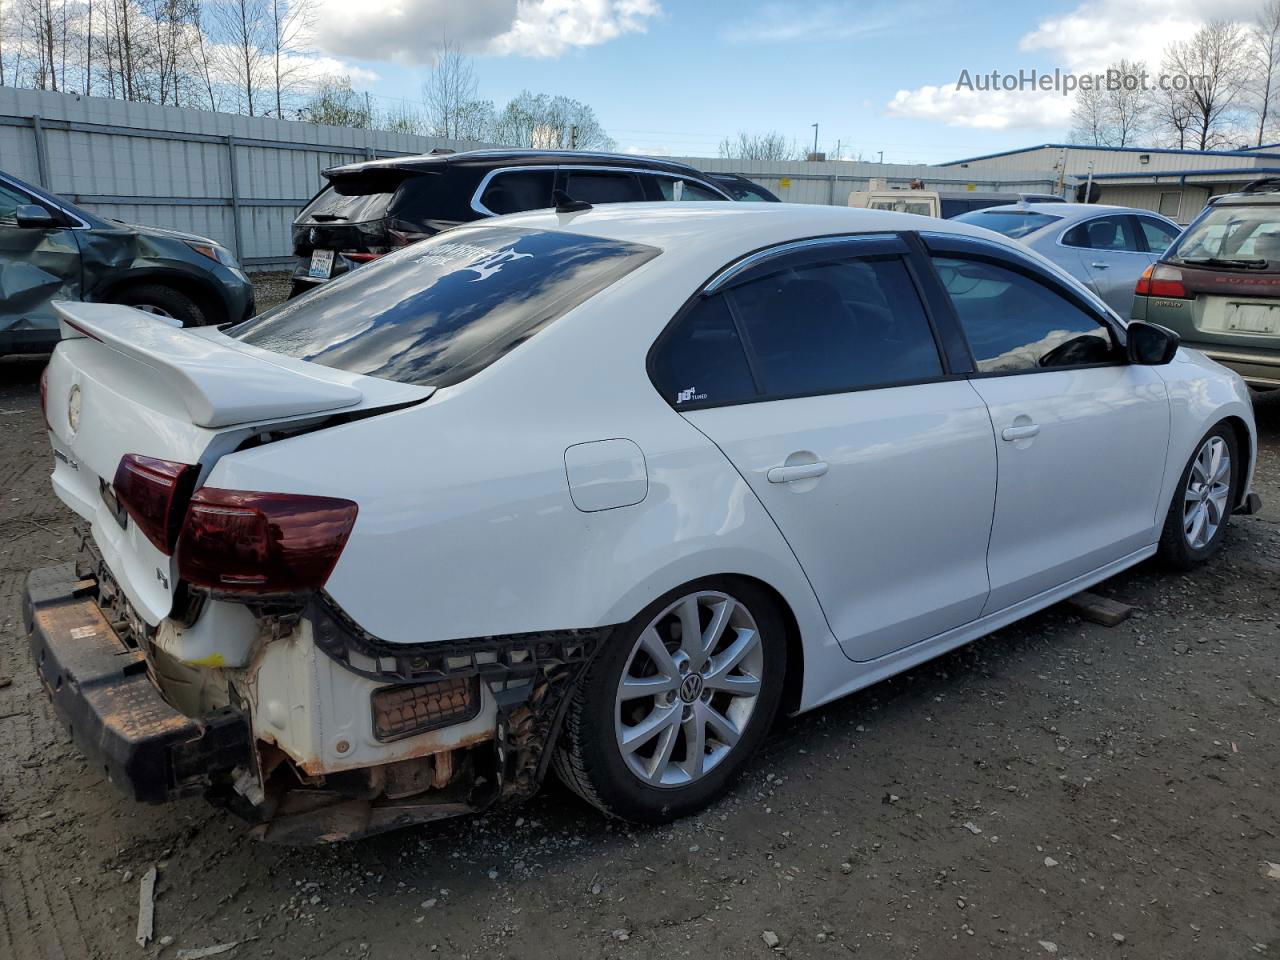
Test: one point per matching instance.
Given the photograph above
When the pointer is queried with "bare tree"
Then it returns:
(1213, 66)
(243, 24)
(1088, 117)
(291, 23)
(1263, 51)
(334, 102)
(544, 122)
(450, 90)
(759, 146)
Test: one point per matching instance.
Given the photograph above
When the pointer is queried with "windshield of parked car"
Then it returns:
(1012, 223)
(440, 310)
(1247, 235)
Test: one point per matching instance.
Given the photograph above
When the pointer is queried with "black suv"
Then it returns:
(371, 208)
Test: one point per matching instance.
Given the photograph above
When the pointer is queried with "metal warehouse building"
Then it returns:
(1176, 183)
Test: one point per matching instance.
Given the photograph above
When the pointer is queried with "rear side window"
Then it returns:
(811, 329)
(518, 191)
(441, 310)
(1102, 233)
(702, 360)
(598, 186)
(1012, 223)
(1016, 324)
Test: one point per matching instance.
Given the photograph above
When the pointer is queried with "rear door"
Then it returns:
(1081, 435)
(37, 266)
(1110, 256)
(818, 374)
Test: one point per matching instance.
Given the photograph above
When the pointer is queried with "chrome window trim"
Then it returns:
(717, 282)
(59, 207)
(480, 208)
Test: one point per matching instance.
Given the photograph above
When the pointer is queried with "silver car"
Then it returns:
(1105, 247)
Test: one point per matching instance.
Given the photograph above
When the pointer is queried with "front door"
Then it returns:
(1081, 435)
(821, 381)
(37, 266)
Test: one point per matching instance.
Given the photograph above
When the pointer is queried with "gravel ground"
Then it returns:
(1056, 789)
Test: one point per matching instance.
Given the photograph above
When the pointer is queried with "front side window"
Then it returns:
(1102, 233)
(676, 189)
(518, 191)
(1016, 324)
(10, 201)
(1158, 234)
(598, 186)
(442, 309)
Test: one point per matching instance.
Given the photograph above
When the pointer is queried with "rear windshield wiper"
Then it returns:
(328, 217)
(1224, 262)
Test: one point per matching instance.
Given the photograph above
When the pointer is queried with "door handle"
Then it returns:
(800, 471)
(1021, 432)
(1100, 266)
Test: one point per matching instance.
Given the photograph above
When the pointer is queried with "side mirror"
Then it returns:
(1150, 344)
(32, 216)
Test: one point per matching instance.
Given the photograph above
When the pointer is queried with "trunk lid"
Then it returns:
(123, 381)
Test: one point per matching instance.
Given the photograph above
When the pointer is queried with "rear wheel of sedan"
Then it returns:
(670, 710)
(163, 301)
(1202, 502)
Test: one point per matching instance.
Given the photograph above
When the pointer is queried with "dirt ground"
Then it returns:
(1056, 789)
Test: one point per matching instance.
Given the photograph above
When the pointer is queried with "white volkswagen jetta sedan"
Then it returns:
(598, 490)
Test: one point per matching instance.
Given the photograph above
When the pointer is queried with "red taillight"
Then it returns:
(1159, 280)
(44, 396)
(154, 493)
(361, 257)
(238, 542)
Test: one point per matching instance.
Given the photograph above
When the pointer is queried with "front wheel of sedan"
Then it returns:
(1202, 502)
(670, 710)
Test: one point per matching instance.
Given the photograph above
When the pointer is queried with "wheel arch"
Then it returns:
(1244, 446)
(202, 291)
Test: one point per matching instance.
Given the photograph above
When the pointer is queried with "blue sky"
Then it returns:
(676, 76)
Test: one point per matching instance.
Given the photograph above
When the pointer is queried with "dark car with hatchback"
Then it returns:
(369, 209)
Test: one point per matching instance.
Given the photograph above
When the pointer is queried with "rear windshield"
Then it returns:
(345, 203)
(1012, 223)
(442, 309)
(1250, 235)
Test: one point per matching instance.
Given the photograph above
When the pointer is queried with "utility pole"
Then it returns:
(882, 156)
(573, 137)
(815, 138)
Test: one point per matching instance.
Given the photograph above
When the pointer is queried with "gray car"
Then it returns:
(1105, 247)
(51, 250)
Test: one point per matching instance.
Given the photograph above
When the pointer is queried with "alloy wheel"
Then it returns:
(1207, 493)
(688, 689)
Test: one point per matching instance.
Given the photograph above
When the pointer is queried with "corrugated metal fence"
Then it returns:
(238, 180)
(241, 180)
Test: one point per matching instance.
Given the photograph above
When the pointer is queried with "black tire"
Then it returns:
(1175, 552)
(588, 758)
(159, 297)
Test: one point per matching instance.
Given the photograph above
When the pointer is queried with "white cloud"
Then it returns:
(409, 31)
(997, 110)
(1084, 40)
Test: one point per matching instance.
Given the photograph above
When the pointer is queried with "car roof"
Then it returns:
(1070, 211)
(732, 229)
(439, 162)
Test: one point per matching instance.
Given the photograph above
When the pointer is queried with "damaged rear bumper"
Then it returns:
(101, 691)
(367, 755)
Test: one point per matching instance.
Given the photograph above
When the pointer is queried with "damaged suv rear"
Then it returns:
(216, 636)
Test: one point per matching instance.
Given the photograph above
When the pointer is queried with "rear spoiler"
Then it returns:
(219, 384)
